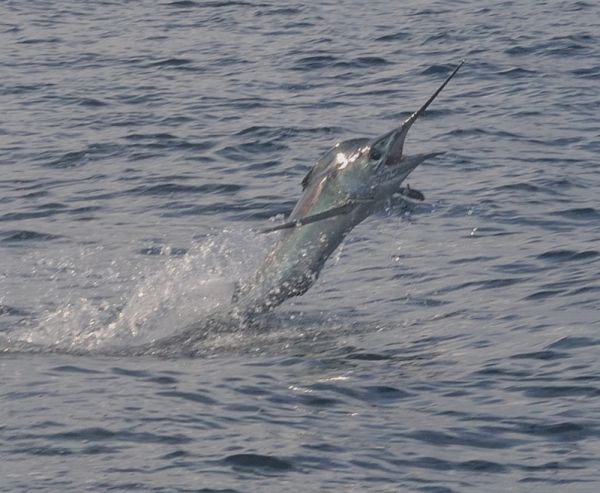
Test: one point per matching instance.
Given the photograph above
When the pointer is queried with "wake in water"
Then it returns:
(187, 298)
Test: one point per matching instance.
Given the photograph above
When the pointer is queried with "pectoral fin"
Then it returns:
(345, 208)
(411, 193)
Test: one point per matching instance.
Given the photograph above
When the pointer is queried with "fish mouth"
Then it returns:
(409, 163)
(393, 142)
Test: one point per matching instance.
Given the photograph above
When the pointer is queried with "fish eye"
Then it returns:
(374, 154)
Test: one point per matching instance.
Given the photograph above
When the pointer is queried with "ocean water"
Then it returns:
(454, 347)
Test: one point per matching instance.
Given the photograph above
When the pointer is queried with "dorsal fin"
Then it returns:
(307, 176)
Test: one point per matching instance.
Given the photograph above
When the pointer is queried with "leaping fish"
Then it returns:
(354, 179)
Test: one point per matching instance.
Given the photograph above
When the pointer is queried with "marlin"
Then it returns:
(354, 179)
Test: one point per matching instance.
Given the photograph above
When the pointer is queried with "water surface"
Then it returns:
(452, 348)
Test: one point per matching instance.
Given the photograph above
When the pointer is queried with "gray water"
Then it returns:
(450, 348)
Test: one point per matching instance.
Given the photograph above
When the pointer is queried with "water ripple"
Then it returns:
(447, 347)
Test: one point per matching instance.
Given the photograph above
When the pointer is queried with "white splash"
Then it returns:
(162, 300)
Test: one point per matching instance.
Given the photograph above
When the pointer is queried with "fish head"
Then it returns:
(384, 156)
(387, 164)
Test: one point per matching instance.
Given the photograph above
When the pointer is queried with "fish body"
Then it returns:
(352, 180)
